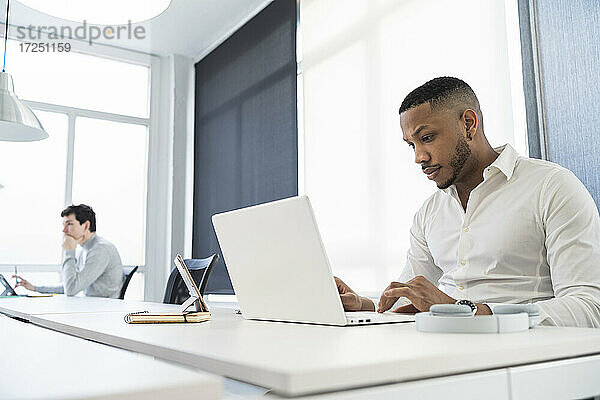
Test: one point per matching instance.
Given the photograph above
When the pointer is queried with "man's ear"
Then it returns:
(86, 226)
(471, 122)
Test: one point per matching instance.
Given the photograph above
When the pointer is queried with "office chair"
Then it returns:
(128, 272)
(176, 292)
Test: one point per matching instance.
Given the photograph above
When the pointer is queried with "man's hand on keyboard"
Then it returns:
(422, 294)
(350, 300)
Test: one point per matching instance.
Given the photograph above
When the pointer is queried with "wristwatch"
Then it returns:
(468, 303)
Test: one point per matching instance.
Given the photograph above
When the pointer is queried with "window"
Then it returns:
(359, 60)
(96, 111)
(33, 175)
(109, 171)
(80, 80)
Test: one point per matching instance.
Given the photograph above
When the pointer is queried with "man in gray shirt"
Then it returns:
(98, 270)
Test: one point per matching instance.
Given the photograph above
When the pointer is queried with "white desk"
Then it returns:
(24, 307)
(295, 359)
(37, 363)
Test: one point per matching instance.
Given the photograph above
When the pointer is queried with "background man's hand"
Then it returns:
(23, 282)
(350, 300)
(70, 243)
(422, 294)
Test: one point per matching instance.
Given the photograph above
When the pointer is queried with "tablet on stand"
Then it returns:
(195, 299)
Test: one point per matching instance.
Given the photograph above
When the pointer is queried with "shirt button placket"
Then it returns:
(462, 250)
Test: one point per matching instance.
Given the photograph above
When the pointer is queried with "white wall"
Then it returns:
(183, 155)
(170, 172)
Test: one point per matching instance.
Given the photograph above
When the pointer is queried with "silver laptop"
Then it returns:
(279, 268)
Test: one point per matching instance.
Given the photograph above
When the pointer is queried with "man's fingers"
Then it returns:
(407, 309)
(20, 281)
(350, 302)
(398, 292)
(394, 285)
(390, 296)
(385, 304)
(342, 287)
(338, 284)
(347, 298)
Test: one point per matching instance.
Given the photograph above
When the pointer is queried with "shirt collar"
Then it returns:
(88, 245)
(505, 163)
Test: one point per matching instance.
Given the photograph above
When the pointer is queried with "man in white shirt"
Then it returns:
(501, 228)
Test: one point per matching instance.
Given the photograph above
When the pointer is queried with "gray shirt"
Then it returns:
(98, 271)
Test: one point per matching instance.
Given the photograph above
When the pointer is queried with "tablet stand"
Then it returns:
(195, 296)
(192, 301)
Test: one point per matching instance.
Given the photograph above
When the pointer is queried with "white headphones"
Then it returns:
(459, 318)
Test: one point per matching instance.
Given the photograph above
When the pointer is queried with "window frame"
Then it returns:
(153, 63)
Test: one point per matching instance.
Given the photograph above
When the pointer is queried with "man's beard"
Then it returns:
(460, 157)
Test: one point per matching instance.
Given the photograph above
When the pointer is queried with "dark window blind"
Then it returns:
(245, 148)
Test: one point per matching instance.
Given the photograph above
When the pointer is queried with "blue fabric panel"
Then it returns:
(569, 42)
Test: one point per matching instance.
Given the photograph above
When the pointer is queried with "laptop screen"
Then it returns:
(5, 288)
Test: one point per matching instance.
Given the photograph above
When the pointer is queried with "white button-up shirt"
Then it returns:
(530, 234)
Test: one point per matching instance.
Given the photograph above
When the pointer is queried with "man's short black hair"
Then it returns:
(444, 92)
(82, 213)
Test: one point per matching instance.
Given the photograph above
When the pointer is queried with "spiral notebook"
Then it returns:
(145, 317)
(200, 311)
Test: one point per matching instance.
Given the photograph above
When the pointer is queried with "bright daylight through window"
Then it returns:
(96, 154)
(361, 177)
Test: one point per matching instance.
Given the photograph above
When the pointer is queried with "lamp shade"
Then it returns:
(105, 12)
(17, 122)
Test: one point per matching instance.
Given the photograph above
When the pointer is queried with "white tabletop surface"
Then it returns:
(24, 307)
(38, 363)
(296, 359)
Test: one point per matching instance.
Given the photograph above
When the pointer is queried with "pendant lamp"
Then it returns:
(17, 122)
(105, 12)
